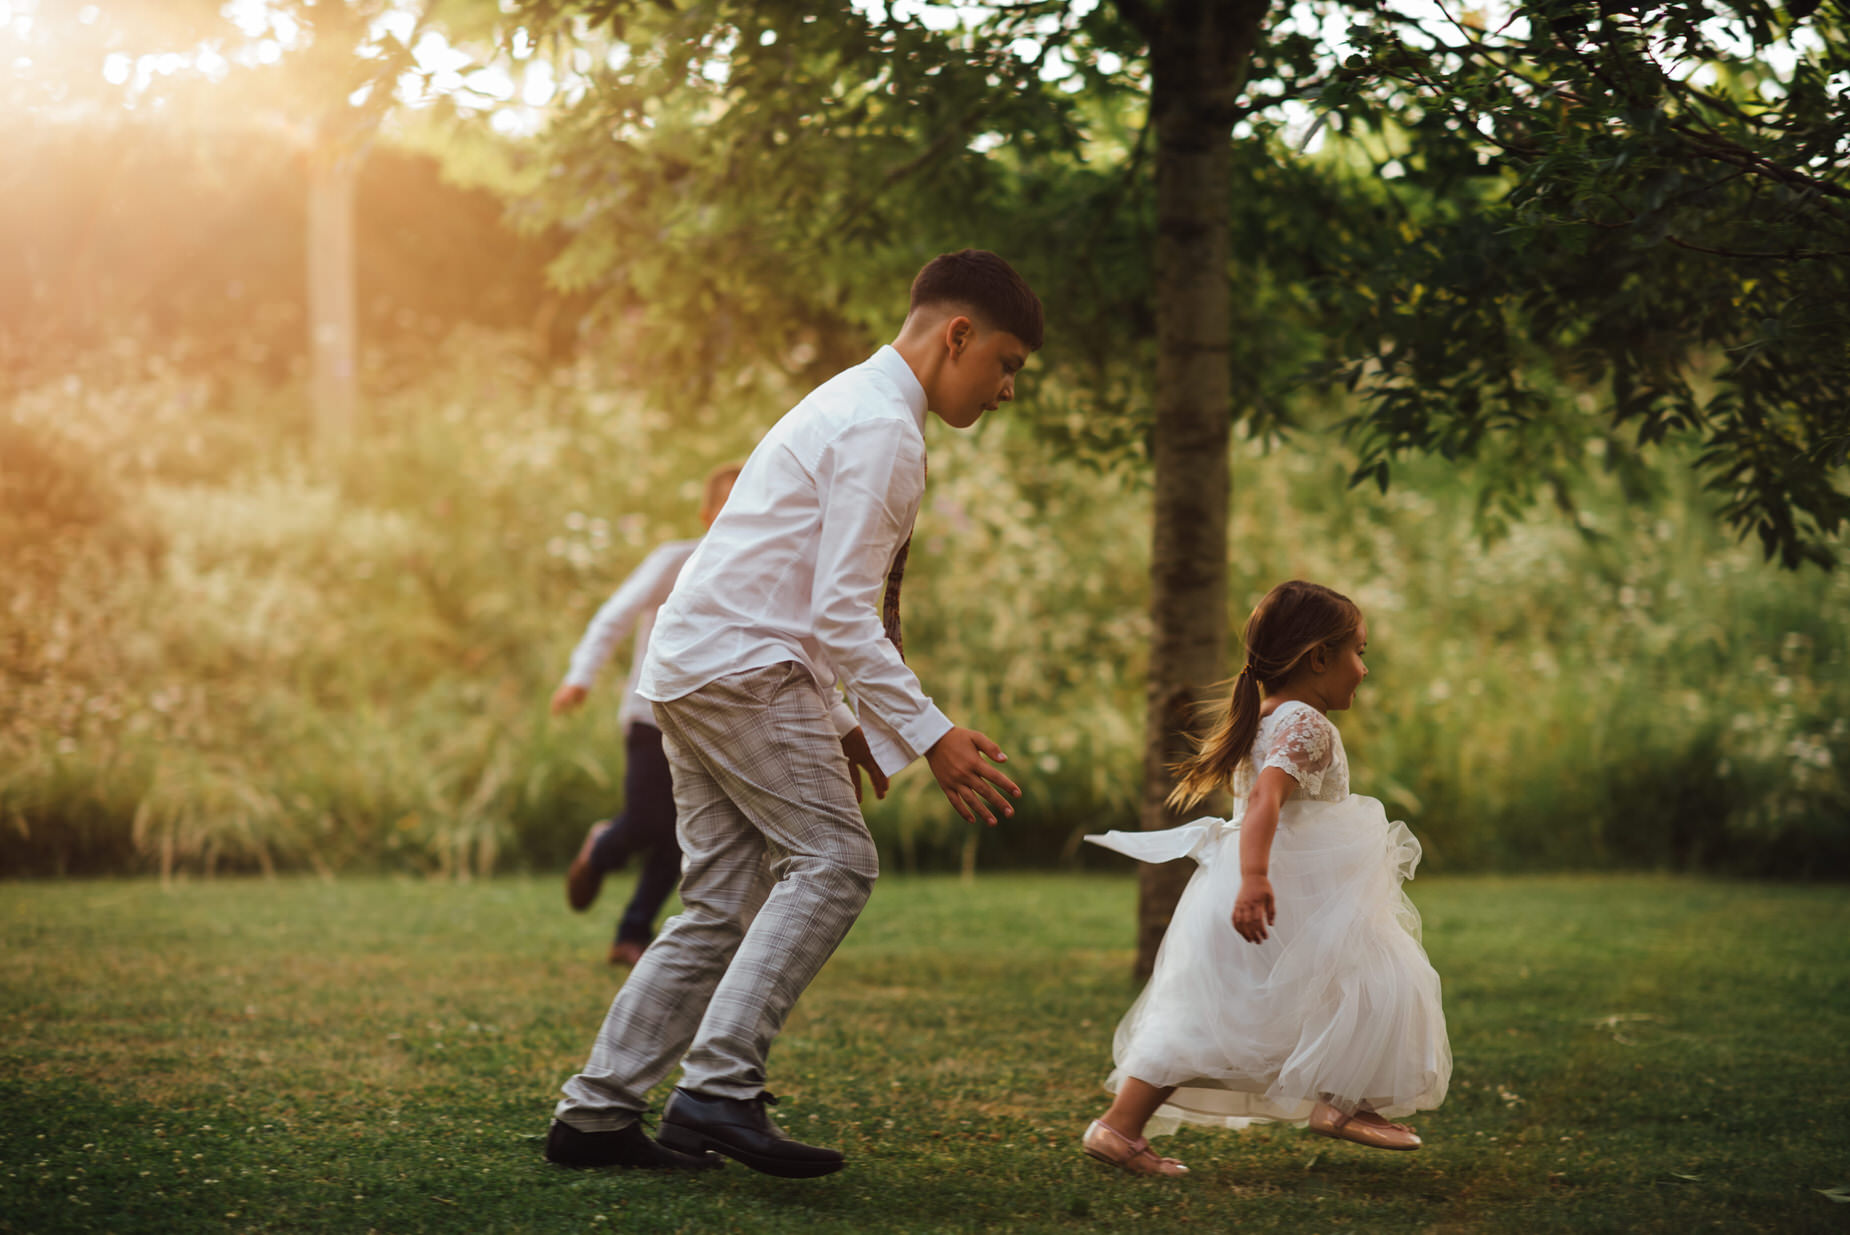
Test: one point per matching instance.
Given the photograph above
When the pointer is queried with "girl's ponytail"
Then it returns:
(1214, 764)
(1293, 619)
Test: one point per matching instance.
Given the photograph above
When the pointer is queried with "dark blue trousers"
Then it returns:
(645, 826)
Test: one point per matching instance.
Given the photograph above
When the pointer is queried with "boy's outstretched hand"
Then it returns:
(567, 698)
(963, 761)
(854, 745)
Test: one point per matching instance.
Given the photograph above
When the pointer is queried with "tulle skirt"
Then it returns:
(1338, 1005)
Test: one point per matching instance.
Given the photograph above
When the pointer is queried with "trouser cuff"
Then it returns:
(613, 1119)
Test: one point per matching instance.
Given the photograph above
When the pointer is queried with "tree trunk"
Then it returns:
(1199, 53)
(332, 320)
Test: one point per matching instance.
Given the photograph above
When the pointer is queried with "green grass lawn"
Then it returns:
(1633, 1054)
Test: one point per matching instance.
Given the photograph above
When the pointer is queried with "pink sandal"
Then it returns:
(1326, 1120)
(1112, 1147)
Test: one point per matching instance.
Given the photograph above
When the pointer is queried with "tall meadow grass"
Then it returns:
(225, 647)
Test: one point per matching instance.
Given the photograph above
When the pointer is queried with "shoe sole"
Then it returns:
(1115, 1165)
(708, 1163)
(1339, 1135)
(689, 1141)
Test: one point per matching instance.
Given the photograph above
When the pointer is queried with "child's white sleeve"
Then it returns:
(1304, 745)
(645, 589)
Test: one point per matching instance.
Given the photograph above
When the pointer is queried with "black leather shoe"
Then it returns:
(630, 1147)
(741, 1128)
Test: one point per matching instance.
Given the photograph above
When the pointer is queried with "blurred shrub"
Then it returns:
(224, 649)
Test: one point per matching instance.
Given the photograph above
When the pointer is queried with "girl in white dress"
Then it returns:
(1291, 984)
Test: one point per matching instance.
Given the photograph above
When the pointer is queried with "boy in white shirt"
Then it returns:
(785, 599)
(647, 822)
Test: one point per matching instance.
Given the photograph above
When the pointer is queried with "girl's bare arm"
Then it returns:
(1254, 908)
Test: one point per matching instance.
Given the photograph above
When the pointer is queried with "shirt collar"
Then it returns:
(893, 366)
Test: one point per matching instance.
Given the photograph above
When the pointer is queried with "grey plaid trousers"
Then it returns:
(778, 863)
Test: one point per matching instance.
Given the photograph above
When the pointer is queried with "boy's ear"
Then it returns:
(958, 332)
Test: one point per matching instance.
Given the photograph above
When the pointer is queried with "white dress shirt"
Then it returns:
(795, 566)
(631, 606)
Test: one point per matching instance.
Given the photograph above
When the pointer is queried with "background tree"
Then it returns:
(900, 134)
(748, 179)
(1653, 206)
(316, 79)
(1199, 54)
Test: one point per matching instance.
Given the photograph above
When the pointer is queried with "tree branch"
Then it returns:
(938, 145)
(1724, 151)
(1790, 255)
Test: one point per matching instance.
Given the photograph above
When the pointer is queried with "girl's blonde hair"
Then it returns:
(1293, 620)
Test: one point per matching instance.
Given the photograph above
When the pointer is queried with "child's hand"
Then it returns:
(1254, 909)
(963, 761)
(566, 698)
(854, 745)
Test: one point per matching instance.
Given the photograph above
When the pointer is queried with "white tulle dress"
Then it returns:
(1338, 1005)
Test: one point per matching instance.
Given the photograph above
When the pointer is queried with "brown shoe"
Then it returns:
(625, 953)
(1363, 1127)
(584, 879)
(1112, 1147)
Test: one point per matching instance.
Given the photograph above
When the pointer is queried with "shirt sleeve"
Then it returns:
(870, 479)
(645, 589)
(846, 721)
(1303, 745)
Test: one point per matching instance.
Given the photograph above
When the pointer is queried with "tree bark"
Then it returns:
(1199, 52)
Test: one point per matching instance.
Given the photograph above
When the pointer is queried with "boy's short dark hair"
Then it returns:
(986, 284)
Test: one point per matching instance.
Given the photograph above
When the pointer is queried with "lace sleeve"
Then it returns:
(1304, 745)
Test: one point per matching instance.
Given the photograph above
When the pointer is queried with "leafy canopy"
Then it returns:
(1643, 207)
(1534, 234)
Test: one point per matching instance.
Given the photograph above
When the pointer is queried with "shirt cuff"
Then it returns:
(894, 749)
(845, 720)
(925, 730)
